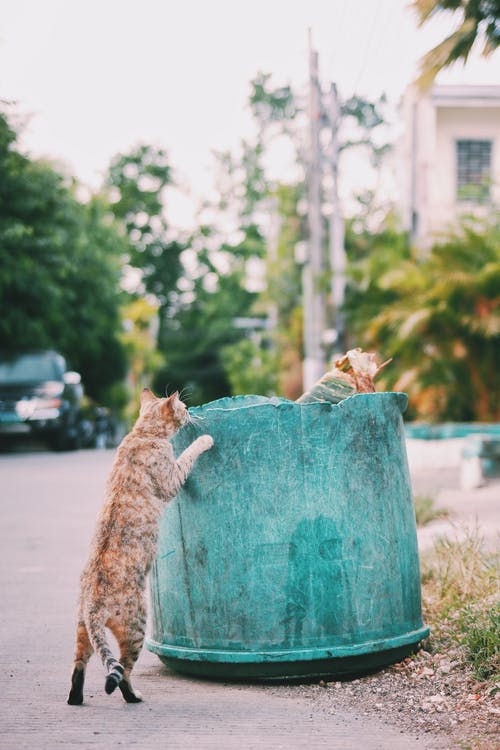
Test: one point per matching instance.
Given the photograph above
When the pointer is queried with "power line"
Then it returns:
(338, 34)
(368, 48)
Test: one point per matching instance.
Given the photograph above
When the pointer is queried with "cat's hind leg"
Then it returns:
(96, 620)
(83, 652)
(130, 639)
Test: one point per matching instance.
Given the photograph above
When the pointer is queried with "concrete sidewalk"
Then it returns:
(435, 472)
(469, 512)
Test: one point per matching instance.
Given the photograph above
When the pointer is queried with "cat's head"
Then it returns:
(161, 416)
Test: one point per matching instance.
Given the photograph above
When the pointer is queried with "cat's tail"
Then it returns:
(114, 677)
(97, 634)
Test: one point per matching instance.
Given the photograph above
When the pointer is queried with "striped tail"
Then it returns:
(114, 677)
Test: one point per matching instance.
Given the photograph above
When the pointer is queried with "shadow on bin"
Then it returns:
(291, 551)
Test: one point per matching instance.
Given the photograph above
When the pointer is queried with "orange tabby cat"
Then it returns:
(144, 476)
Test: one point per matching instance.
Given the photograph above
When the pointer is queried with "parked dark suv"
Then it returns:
(39, 395)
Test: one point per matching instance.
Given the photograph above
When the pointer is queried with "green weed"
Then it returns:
(481, 637)
(425, 511)
(461, 599)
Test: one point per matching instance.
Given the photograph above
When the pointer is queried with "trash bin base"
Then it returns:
(289, 665)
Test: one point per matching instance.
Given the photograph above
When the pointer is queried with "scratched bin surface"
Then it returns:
(291, 551)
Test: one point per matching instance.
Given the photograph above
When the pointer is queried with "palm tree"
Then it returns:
(441, 324)
(480, 19)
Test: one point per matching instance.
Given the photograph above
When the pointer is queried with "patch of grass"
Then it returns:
(425, 510)
(481, 638)
(461, 601)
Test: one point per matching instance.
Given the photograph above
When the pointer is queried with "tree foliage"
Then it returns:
(208, 337)
(136, 186)
(60, 269)
(202, 321)
(269, 355)
(283, 293)
(438, 316)
(478, 19)
(139, 337)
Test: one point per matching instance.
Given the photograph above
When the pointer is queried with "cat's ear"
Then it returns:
(170, 406)
(147, 397)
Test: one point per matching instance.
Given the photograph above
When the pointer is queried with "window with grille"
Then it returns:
(473, 170)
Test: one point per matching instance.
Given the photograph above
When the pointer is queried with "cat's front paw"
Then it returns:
(205, 442)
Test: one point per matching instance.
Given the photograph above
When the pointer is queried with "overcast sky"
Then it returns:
(97, 77)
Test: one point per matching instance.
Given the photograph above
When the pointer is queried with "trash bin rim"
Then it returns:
(235, 403)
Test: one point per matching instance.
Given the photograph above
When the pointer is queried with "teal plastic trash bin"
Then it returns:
(291, 551)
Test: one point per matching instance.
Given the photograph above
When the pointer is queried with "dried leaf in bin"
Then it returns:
(353, 372)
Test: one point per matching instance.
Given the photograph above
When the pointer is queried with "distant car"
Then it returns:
(39, 395)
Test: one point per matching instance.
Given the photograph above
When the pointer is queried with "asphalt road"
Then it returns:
(48, 504)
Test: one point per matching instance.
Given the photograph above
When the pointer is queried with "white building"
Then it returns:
(450, 156)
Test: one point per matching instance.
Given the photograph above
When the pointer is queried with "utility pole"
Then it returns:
(314, 299)
(336, 224)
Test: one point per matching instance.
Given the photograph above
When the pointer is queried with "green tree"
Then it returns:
(372, 257)
(204, 337)
(283, 293)
(135, 186)
(438, 316)
(267, 359)
(279, 114)
(478, 20)
(60, 269)
(89, 327)
(139, 337)
(203, 319)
